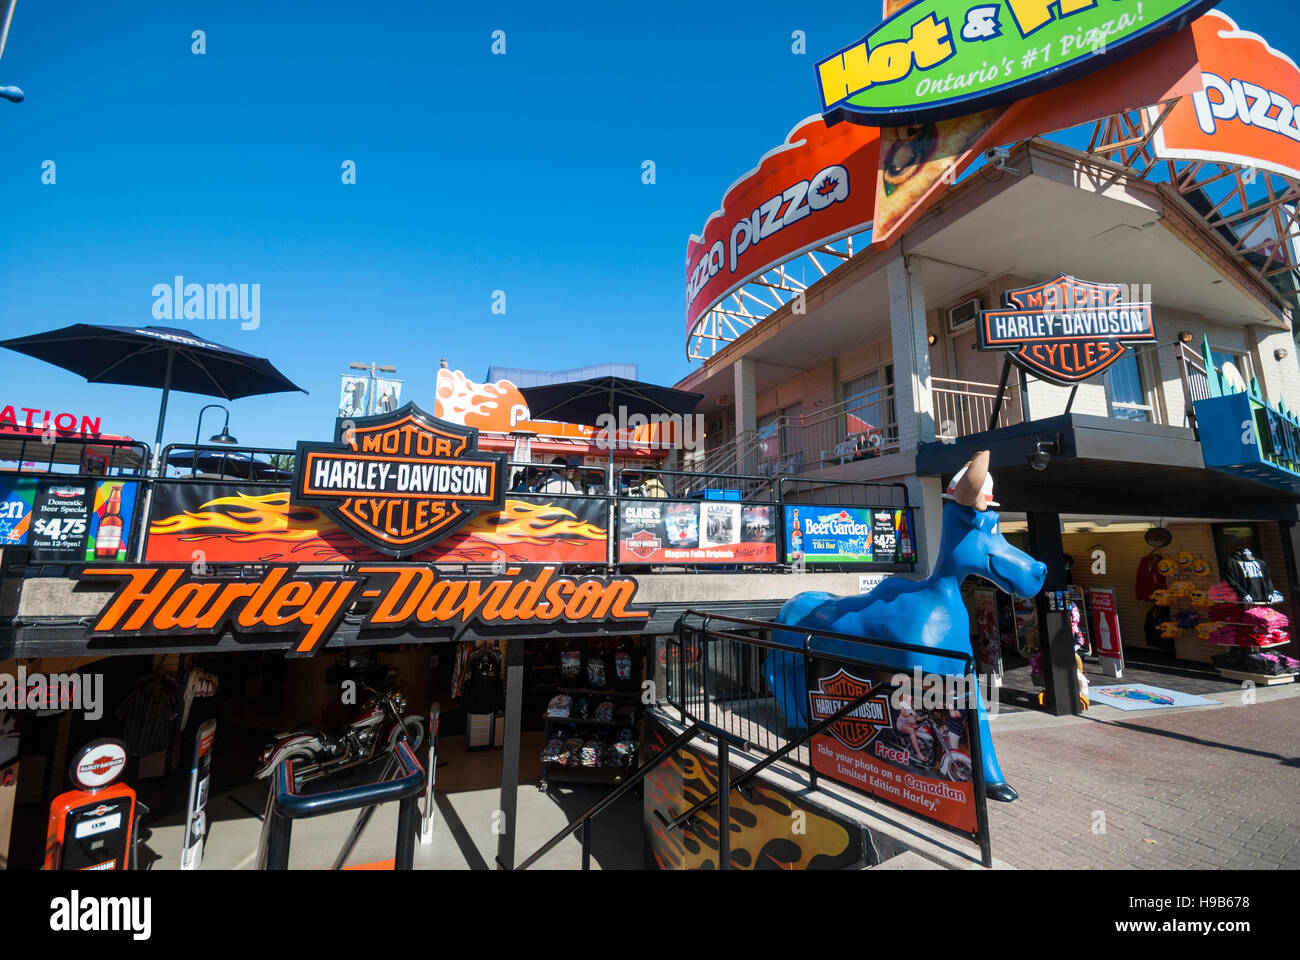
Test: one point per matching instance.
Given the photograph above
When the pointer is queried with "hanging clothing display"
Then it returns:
(483, 690)
(1149, 577)
(1248, 575)
(149, 713)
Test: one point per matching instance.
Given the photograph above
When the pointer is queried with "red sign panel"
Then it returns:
(816, 187)
(897, 746)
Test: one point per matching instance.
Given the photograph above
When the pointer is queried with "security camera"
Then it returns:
(1044, 450)
(998, 156)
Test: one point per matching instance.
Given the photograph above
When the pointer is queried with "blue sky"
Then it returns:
(475, 173)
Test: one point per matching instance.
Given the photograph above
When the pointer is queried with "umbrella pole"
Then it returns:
(610, 489)
(157, 458)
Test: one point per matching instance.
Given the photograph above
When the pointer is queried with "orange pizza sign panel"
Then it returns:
(1245, 111)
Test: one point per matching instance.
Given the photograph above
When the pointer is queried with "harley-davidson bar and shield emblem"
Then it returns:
(1067, 330)
(856, 729)
(399, 481)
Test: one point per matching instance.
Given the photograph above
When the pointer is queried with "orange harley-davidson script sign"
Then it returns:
(171, 601)
(399, 481)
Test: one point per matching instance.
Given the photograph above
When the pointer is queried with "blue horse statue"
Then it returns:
(928, 612)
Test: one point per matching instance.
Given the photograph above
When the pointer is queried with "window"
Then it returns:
(1126, 390)
(869, 404)
(1229, 538)
(1240, 362)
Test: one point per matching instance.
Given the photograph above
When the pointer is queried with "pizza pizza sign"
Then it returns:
(1067, 331)
(935, 59)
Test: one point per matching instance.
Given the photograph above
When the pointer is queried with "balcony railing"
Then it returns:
(963, 407)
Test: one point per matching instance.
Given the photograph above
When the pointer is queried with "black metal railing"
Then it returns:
(261, 470)
(82, 456)
(714, 679)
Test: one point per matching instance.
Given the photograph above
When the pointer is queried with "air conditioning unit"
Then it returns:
(964, 314)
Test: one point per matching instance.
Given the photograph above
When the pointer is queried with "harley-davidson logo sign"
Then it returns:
(1067, 330)
(834, 693)
(643, 544)
(399, 481)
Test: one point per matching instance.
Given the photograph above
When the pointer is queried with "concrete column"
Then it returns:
(926, 495)
(912, 400)
(743, 370)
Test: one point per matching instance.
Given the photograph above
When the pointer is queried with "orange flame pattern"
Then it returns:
(762, 828)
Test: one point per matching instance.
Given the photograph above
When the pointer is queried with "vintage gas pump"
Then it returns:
(93, 826)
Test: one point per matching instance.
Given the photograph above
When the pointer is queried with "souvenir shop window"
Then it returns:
(1229, 538)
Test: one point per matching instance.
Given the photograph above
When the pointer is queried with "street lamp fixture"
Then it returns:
(222, 437)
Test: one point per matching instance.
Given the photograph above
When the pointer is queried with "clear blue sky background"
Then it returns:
(475, 173)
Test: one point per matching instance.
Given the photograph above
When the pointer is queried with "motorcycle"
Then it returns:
(375, 732)
(953, 764)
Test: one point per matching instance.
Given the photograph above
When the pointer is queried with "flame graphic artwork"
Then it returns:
(761, 836)
(244, 527)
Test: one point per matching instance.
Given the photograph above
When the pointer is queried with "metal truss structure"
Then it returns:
(1256, 213)
(752, 302)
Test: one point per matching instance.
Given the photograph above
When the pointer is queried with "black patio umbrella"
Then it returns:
(161, 357)
(238, 466)
(585, 401)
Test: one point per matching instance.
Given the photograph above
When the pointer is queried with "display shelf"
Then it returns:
(1259, 679)
(626, 722)
(590, 692)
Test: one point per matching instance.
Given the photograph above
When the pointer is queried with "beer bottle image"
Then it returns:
(796, 537)
(109, 538)
(905, 552)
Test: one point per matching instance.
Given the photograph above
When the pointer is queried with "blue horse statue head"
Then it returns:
(928, 612)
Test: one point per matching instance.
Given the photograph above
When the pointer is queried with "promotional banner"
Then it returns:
(60, 528)
(936, 59)
(1245, 109)
(816, 187)
(1104, 617)
(695, 532)
(906, 747)
(984, 630)
(224, 523)
(16, 496)
(353, 396)
(388, 395)
(835, 534)
(110, 520)
(196, 821)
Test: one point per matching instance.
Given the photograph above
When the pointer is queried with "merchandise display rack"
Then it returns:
(622, 691)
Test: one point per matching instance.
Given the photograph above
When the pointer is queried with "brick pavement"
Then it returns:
(1207, 788)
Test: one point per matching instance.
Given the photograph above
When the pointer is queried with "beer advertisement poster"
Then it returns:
(849, 535)
(61, 520)
(16, 496)
(905, 747)
(110, 520)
